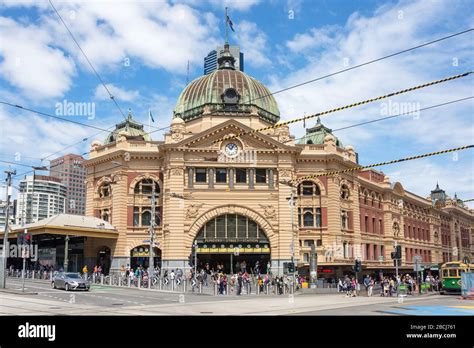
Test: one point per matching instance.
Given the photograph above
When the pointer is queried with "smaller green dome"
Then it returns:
(132, 128)
(315, 135)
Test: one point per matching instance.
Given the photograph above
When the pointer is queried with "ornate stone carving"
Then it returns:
(176, 171)
(177, 136)
(269, 211)
(396, 229)
(193, 210)
(285, 173)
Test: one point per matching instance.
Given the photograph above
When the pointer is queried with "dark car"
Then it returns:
(70, 281)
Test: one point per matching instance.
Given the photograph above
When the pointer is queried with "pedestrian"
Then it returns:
(366, 283)
(239, 283)
(370, 287)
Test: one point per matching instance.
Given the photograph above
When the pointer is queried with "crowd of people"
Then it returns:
(388, 285)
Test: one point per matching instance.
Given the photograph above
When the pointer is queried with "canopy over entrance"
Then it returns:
(233, 242)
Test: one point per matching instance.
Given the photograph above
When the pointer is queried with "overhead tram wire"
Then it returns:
(411, 158)
(365, 63)
(345, 107)
(111, 96)
(87, 59)
(53, 116)
(390, 117)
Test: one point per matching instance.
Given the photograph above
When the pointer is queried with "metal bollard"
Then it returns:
(149, 282)
(139, 281)
(227, 289)
(215, 289)
(33, 276)
(129, 282)
(200, 288)
(161, 283)
(102, 279)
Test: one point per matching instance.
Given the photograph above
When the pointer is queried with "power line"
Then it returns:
(385, 163)
(53, 116)
(390, 117)
(345, 107)
(363, 64)
(112, 97)
(87, 59)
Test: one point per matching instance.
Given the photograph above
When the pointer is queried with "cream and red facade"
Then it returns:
(348, 216)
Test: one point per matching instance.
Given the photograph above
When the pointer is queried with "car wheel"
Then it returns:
(66, 287)
(53, 285)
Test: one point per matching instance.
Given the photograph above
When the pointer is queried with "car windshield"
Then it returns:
(73, 275)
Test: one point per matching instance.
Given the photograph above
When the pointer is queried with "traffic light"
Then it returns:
(398, 251)
(393, 255)
(357, 266)
(291, 267)
(28, 238)
(20, 238)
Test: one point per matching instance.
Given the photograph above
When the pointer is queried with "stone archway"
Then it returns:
(230, 209)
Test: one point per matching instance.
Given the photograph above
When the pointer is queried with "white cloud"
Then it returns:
(321, 37)
(324, 50)
(155, 34)
(253, 43)
(29, 135)
(31, 63)
(119, 93)
(421, 176)
(239, 5)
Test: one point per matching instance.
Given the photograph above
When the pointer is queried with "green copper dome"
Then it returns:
(226, 90)
(129, 126)
(315, 135)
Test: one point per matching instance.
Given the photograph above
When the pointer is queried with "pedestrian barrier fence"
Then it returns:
(178, 284)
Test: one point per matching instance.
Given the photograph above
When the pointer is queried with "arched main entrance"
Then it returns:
(140, 256)
(235, 242)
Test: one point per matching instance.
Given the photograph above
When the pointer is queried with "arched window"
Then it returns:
(344, 191)
(366, 197)
(105, 190)
(308, 188)
(231, 228)
(309, 142)
(142, 216)
(373, 199)
(147, 187)
(105, 215)
(308, 219)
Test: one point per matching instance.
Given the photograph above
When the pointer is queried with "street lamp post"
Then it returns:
(151, 254)
(66, 253)
(292, 206)
(5, 233)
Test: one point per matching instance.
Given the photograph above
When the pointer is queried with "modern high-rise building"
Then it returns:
(69, 169)
(40, 197)
(3, 211)
(210, 61)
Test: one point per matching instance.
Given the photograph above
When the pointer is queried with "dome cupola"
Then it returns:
(227, 91)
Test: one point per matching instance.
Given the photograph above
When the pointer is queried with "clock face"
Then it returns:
(231, 149)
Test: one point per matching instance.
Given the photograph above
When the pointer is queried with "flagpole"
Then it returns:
(226, 25)
(149, 121)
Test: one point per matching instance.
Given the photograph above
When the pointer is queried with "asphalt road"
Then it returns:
(104, 300)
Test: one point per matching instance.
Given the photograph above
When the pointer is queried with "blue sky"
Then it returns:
(141, 49)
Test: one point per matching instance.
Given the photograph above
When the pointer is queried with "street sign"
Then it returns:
(381, 258)
(417, 259)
